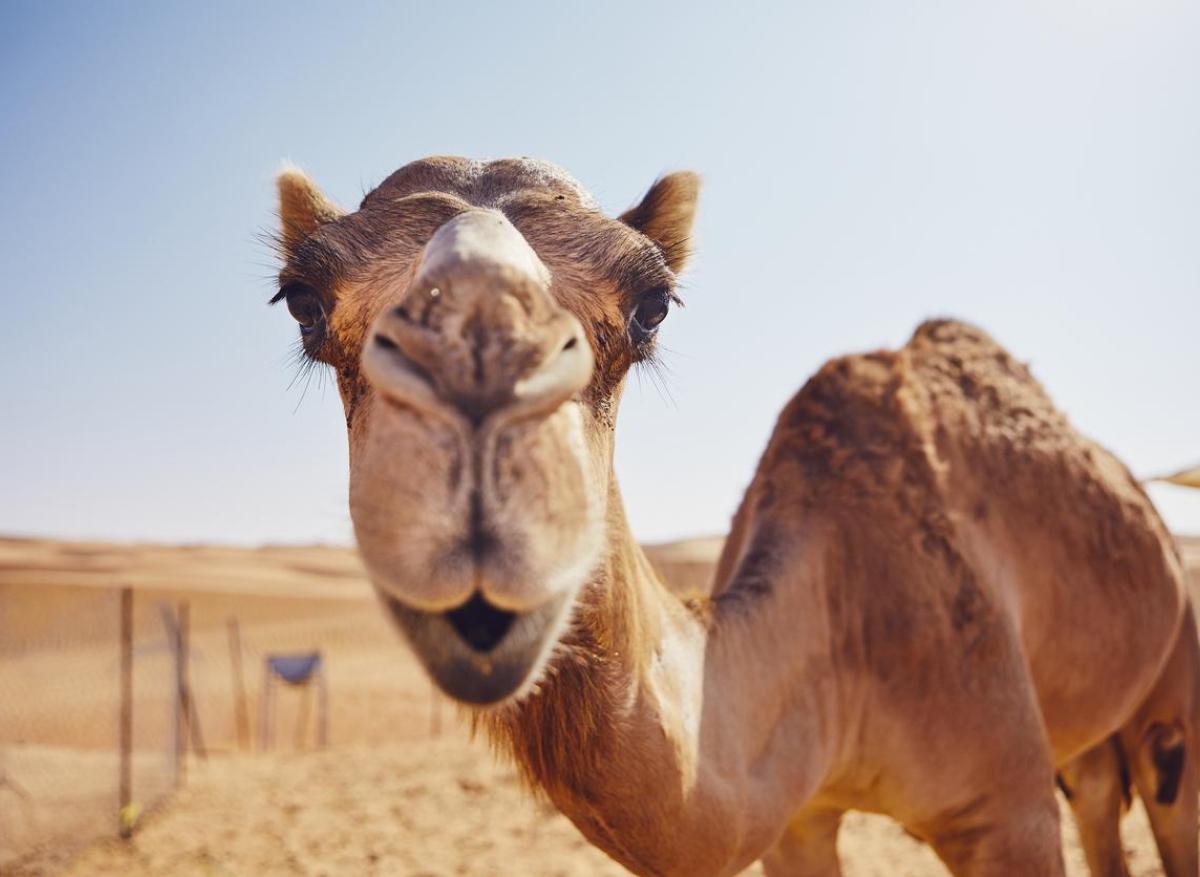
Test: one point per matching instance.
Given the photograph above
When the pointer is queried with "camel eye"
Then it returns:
(651, 310)
(305, 307)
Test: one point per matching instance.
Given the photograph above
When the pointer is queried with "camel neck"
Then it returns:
(604, 668)
(649, 718)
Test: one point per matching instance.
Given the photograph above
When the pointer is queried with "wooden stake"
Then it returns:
(322, 706)
(125, 785)
(264, 707)
(191, 715)
(301, 729)
(241, 714)
(182, 621)
(172, 628)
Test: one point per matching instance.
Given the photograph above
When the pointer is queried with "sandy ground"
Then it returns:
(388, 797)
(434, 809)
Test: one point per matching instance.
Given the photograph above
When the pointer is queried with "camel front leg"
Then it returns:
(808, 847)
(1009, 835)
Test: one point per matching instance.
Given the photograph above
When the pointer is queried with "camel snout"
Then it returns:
(561, 371)
(477, 337)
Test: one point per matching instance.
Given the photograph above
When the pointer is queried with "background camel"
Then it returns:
(935, 591)
(1155, 751)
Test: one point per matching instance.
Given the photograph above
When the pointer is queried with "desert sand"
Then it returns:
(401, 790)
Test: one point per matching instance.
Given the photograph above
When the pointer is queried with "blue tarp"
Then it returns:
(294, 669)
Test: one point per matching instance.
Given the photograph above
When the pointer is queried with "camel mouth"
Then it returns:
(479, 624)
(477, 652)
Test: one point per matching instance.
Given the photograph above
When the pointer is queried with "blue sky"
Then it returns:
(1031, 166)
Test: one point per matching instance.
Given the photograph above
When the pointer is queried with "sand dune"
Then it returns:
(389, 797)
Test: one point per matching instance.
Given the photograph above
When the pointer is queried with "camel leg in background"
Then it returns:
(1161, 744)
(808, 847)
(1096, 785)
(1166, 773)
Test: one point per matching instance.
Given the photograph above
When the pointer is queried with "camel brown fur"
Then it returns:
(1157, 752)
(935, 593)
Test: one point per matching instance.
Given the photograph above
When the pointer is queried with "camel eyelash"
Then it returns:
(304, 359)
(652, 366)
(305, 367)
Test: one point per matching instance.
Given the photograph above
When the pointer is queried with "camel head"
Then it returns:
(481, 319)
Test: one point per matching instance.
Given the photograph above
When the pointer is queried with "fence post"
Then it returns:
(172, 627)
(300, 732)
(241, 715)
(264, 708)
(125, 793)
(322, 707)
(190, 713)
(181, 725)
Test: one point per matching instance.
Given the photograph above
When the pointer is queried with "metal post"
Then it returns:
(125, 792)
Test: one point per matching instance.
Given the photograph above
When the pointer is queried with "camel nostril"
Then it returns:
(571, 342)
(480, 624)
(398, 357)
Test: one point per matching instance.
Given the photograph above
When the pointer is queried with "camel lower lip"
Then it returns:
(478, 653)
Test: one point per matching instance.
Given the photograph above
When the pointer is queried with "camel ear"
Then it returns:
(665, 215)
(302, 208)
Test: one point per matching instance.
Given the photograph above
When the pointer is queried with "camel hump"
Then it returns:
(979, 389)
(970, 357)
(857, 429)
(906, 425)
(946, 331)
(993, 424)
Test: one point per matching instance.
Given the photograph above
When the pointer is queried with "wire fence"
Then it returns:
(60, 710)
(186, 672)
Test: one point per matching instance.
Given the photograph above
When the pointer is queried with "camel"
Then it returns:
(935, 593)
(1154, 751)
